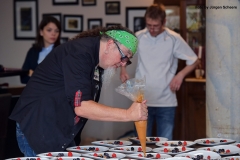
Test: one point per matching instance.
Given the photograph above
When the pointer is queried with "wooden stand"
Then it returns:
(190, 119)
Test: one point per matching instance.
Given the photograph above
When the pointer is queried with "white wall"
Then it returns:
(13, 52)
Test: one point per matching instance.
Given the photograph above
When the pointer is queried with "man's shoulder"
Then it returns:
(169, 31)
(172, 33)
(141, 32)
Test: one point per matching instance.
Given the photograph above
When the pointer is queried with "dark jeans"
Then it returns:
(164, 117)
(23, 144)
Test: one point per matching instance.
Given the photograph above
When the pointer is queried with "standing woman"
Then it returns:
(48, 37)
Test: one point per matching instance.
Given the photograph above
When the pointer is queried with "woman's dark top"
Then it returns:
(45, 110)
(31, 62)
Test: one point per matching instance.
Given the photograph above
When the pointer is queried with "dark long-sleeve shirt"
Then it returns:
(30, 63)
(45, 110)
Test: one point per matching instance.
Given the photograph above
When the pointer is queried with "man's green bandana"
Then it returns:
(125, 38)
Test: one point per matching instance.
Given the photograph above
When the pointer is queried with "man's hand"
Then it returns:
(138, 111)
(176, 82)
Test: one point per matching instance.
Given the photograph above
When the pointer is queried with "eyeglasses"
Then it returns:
(153, 27)
(124, 58)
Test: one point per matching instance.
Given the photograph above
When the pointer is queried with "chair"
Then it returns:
(5, 105)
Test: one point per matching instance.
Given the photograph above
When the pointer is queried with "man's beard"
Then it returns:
(108, 76)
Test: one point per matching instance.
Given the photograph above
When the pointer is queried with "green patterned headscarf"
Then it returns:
(125, 38)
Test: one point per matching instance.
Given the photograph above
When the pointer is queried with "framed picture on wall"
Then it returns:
(72, 23)
(25, 19)
(112, 7)
(112, 24)
(55, 15)
(65, 2)
(89, 2)
(135, 17)
(94, 23)
(138, 23)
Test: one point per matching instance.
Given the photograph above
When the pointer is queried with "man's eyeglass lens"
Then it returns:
(124, 58)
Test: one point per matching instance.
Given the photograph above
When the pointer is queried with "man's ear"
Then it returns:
(110, 41)
(108, 45)
(106, 51)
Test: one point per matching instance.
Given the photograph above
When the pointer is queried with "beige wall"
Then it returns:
(13, 52)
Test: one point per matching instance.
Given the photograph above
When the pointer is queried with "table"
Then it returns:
(195, 147)
(12, 72)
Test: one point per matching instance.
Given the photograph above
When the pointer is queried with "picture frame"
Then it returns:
(134, 13)
(63, 40)
(55, 15)
(193, 19)
(72, 23)
(65, 2)
(25, 19)
(89, 2)
(112, 24)
(94, 23)
(138, 23)
(112, 7)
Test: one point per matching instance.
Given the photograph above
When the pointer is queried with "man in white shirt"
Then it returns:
(158, 52)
